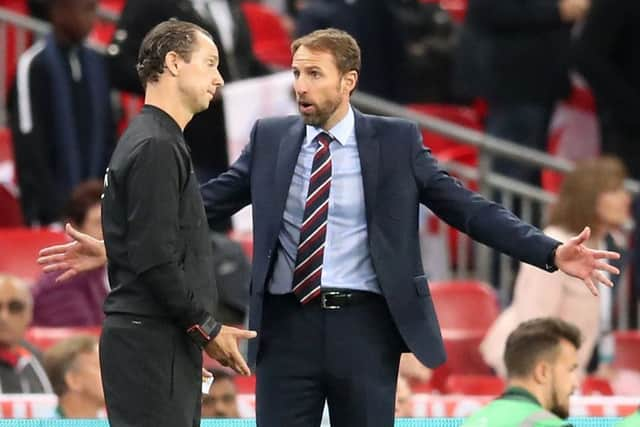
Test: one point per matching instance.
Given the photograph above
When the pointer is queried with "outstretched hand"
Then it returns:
(84, 253)
(575, 259)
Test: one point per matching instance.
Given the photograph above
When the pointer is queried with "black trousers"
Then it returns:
(151, 373)
(348, 357)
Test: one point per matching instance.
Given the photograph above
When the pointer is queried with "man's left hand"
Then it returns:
(589, 265)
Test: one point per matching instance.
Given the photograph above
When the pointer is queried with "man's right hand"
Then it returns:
(83, 254)
(224, 348)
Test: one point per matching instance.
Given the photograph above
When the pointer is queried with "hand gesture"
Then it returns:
(224, 348)
(84, 253)
(576, 260)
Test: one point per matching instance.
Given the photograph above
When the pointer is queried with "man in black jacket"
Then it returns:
(205, 134)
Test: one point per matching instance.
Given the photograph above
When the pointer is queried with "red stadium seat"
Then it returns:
(627, 350)
(13, 44)
(45, 337)
(464, 307)
(270, 40)
(19, 248)
(596, 386)
(466, 310)
(10, 210)
(475, 385)
(245, 385)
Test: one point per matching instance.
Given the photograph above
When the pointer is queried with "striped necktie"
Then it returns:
(313, 231)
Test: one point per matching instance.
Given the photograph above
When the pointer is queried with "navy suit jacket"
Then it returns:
(398, 173)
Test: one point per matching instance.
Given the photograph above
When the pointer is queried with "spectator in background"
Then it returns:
(223, 19)
(593, 194)
(541, 357)
(406, 45)
(607, 54)
(20, 370)
(222, 400)
(515, 54)
(73, 367)
(61, 115)
(404, 406)
(79, 301)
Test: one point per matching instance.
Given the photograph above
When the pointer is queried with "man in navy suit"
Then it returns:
(338, 290)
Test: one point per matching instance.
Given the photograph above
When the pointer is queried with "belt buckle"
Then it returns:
(323, 300)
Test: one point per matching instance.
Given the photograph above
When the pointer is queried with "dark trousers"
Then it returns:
(151, 373)
(348, 357)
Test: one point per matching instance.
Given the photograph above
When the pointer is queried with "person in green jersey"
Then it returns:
(541, 357)
(632, 420)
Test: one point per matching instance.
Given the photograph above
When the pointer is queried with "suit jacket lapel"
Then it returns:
(369, 151)
(288, 152)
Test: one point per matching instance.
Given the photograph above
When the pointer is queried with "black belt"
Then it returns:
(337, 299)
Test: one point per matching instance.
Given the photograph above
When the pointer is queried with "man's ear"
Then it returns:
(171, 63)
(542, 372)
(350, 80)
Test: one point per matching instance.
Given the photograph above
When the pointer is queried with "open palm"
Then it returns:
(83, 254)
(589, 265)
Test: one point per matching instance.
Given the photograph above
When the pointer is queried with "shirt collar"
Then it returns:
(341, 132)
(519, 393)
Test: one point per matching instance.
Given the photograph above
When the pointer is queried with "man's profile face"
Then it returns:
(318, 85)
(564, 379)
(199, 78)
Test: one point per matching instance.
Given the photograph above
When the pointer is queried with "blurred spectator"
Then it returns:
(79, 301)
(515, 54)
(593, 194)
(607, 55)
(413, 370)
(222, 400)
(20, 370)
(224, 20)
(406, 45)
(542, 365)
(404, 408)
(61, 115)
(73, 366)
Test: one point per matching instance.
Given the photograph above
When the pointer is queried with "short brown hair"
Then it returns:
(168, 36)
(577, 200)
(83, 197)
(534, 340)
(59, 359)
(340, 44)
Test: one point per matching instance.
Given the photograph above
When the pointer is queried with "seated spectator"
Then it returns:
(61, 115)
(541, 357)
(593, 194)
(404, 407)
(73, 366)
(20, 370)
(78, 302)
(222, 400)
